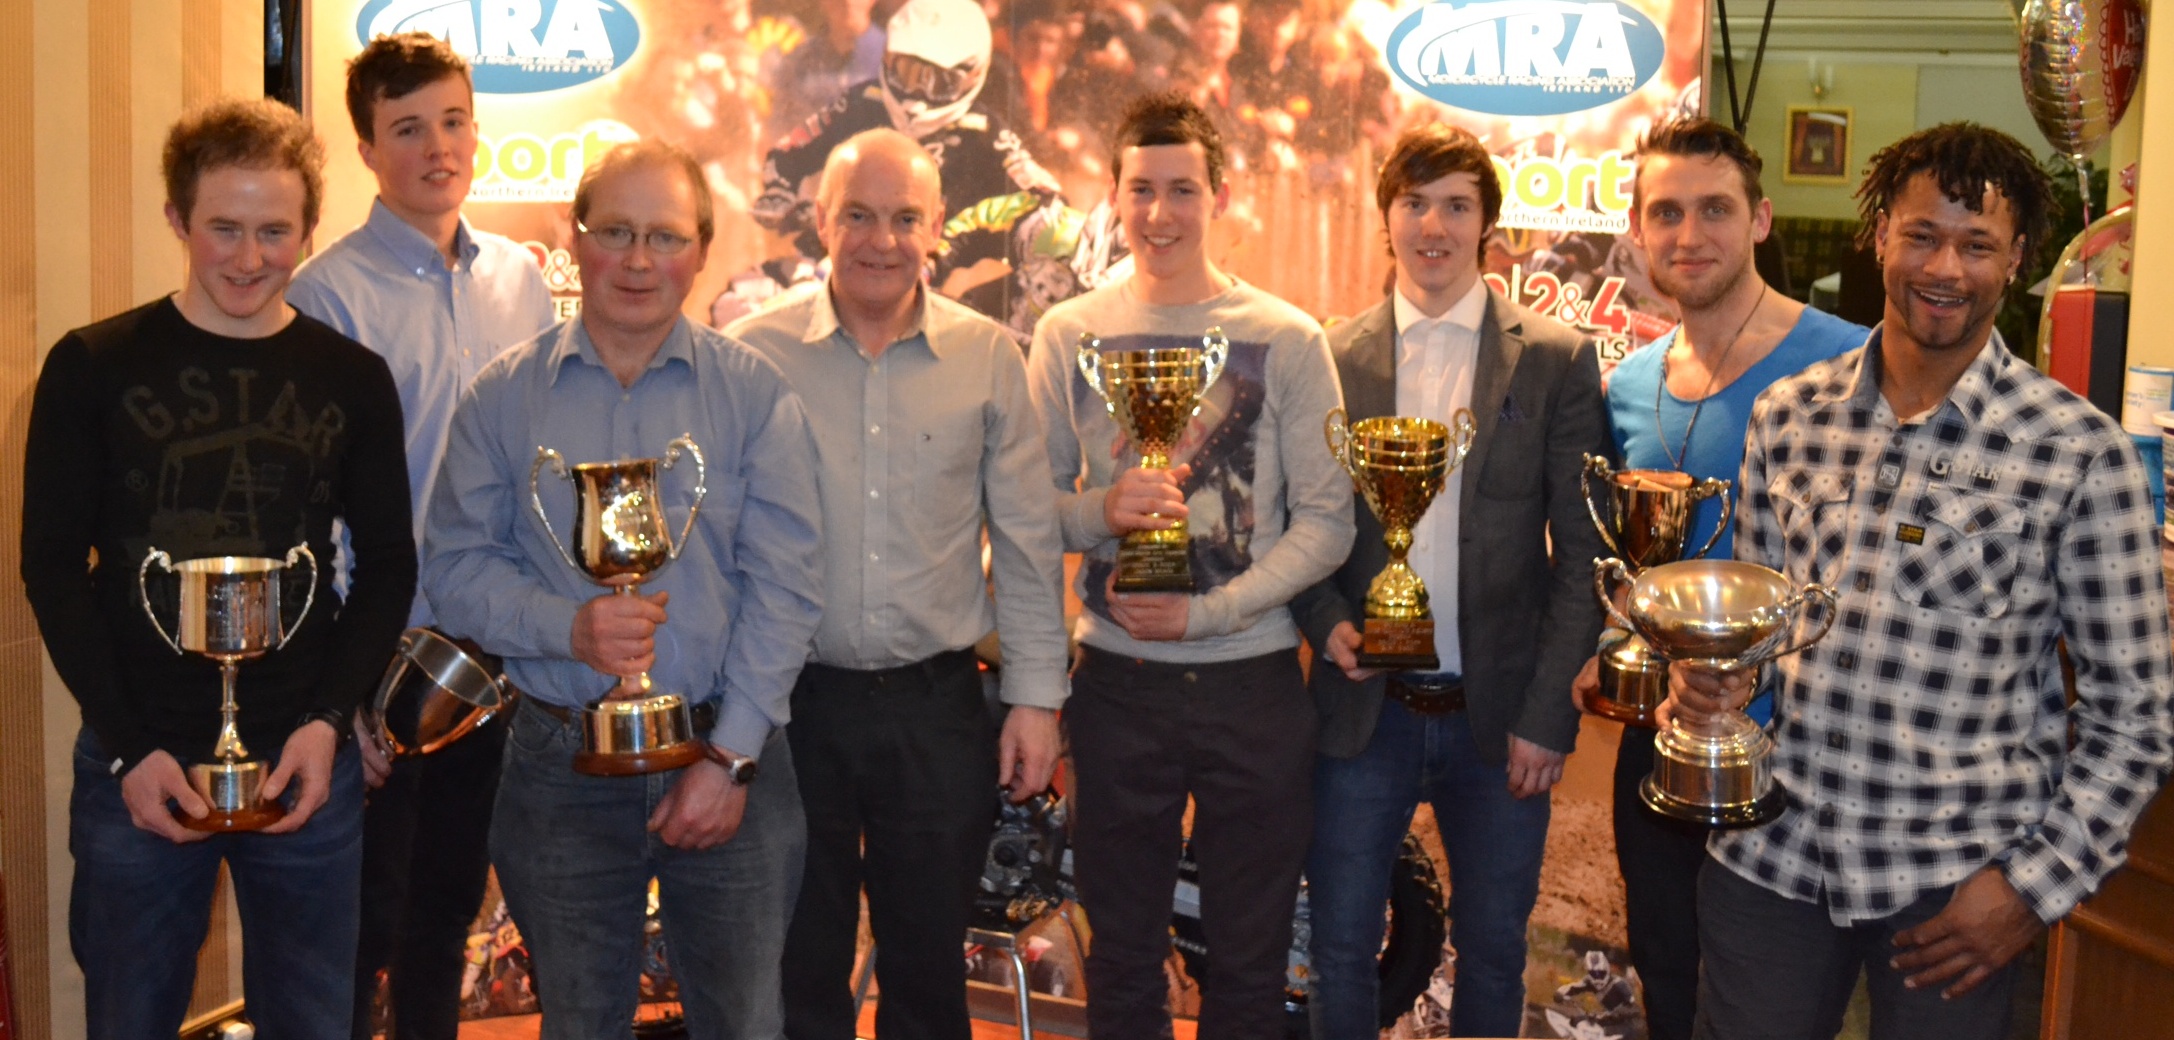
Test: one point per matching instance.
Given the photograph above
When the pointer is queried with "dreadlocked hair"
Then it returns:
(1964, 159)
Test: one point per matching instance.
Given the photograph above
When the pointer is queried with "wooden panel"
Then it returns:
(113, 160)
(2110, 969)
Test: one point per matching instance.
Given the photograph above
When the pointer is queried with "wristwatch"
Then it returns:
(336, 719)
(741, 768)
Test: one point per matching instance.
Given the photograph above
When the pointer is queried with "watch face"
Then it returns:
(743, 771)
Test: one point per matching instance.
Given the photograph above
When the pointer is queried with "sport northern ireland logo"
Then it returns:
(517, 46)
(1526, 57)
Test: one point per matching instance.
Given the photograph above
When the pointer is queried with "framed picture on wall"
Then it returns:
(1818, 151)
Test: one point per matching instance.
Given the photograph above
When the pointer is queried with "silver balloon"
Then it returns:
(2080, 61)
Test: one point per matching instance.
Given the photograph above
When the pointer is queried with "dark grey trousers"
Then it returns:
(1238, 737)
(1778, 969)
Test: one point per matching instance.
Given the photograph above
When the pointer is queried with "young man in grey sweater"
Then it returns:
(1192, 694)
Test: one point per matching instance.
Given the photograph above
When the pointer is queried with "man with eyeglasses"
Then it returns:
(438, 300)
(935, 63)
(575, 853)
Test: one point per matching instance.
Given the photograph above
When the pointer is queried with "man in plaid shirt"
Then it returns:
(1969, 512)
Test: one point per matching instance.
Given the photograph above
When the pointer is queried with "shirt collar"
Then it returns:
(412, 249)
(1467, 313)
(1971, 396)
(823, 320)
(574, 344)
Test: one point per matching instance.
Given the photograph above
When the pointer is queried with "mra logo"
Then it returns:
(517, 46)
(1526, 57)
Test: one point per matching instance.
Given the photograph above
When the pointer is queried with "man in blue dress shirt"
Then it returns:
(437, 299)
(574, 852)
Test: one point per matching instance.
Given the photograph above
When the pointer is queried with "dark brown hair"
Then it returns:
(1964, 160)
(394, 66)
(650, 151)
(1706, 139)
(1427, 153)
(1168, 118)
(258, 134)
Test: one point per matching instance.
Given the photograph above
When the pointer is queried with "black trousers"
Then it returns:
(1778, 969)
(1238, 737)
(425, 863)
(1660, 859)
(897, 774)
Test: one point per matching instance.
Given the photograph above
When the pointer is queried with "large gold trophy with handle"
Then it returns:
(1153, 395)
(1649, 525)
(1398, 465)
(229, 612)
(620, 530)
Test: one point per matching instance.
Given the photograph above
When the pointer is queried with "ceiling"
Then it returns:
(1962, 30)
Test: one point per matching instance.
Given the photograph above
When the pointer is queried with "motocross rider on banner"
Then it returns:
(935, 62)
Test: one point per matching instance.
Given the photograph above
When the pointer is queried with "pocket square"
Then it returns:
(1510, 411)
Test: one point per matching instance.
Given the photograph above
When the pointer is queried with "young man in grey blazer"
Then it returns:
(1484, 738)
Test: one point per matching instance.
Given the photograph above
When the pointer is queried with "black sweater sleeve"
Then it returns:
(381, 532)
(66, 449)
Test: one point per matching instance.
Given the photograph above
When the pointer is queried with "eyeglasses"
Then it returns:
(619, 238)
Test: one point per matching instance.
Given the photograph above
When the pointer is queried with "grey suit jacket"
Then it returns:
(1526, 624)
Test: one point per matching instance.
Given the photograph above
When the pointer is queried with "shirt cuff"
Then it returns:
(2045, 882)
(1033, 687)
(1209, 615)
(1084, 524)
(741, 728)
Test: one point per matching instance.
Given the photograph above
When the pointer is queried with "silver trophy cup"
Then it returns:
(620, 529)
(1649, 524)
(229, 612)
(1723, 616)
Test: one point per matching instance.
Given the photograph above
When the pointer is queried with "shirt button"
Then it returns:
(1864, 582)
(1846, 659)
(874, 557)
(1837, 741)
(875, 429)
(873, 493)
(1192, 677)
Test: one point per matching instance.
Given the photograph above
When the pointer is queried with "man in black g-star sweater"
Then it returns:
(217, 422)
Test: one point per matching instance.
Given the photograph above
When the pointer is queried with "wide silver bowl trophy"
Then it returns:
(229, 612)
(447, 688)
(620, 529)
(1153, 395)
(1651, 524)
(1398, 465)
(1723, 616)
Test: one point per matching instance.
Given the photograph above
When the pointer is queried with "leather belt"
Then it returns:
(1427, 694)
(703, 715)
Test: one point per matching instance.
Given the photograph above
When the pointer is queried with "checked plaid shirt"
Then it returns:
(1927, 734)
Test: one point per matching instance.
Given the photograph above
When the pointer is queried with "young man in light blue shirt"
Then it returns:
(437, 299)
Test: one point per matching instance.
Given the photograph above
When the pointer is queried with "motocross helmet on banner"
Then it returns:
(935, 60)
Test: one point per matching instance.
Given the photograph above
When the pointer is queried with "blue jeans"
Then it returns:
(575, 858)
(1362, 808)
(140, 906)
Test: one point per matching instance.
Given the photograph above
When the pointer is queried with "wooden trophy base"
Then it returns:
(635, 763)
(1404, 646)
(1154, 567)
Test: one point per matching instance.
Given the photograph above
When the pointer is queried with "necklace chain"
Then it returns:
(1675, 458)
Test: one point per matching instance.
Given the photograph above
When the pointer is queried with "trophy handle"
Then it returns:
(1090, 364)
(685, 442)
(1605, 574)
(1214, 353)
(1339, 437)
(1596, 464)
(301, 550)
(1811, 592)
(1714, 487)
(535, 498)
(143, 592)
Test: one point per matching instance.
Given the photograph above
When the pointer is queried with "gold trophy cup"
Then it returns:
(1724, 616)
(1652, 524)
(1398, 465)
(1153, 395)
(620, 529)
(229, 612)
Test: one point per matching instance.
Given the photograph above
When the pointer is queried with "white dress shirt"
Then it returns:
(1435, 363)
